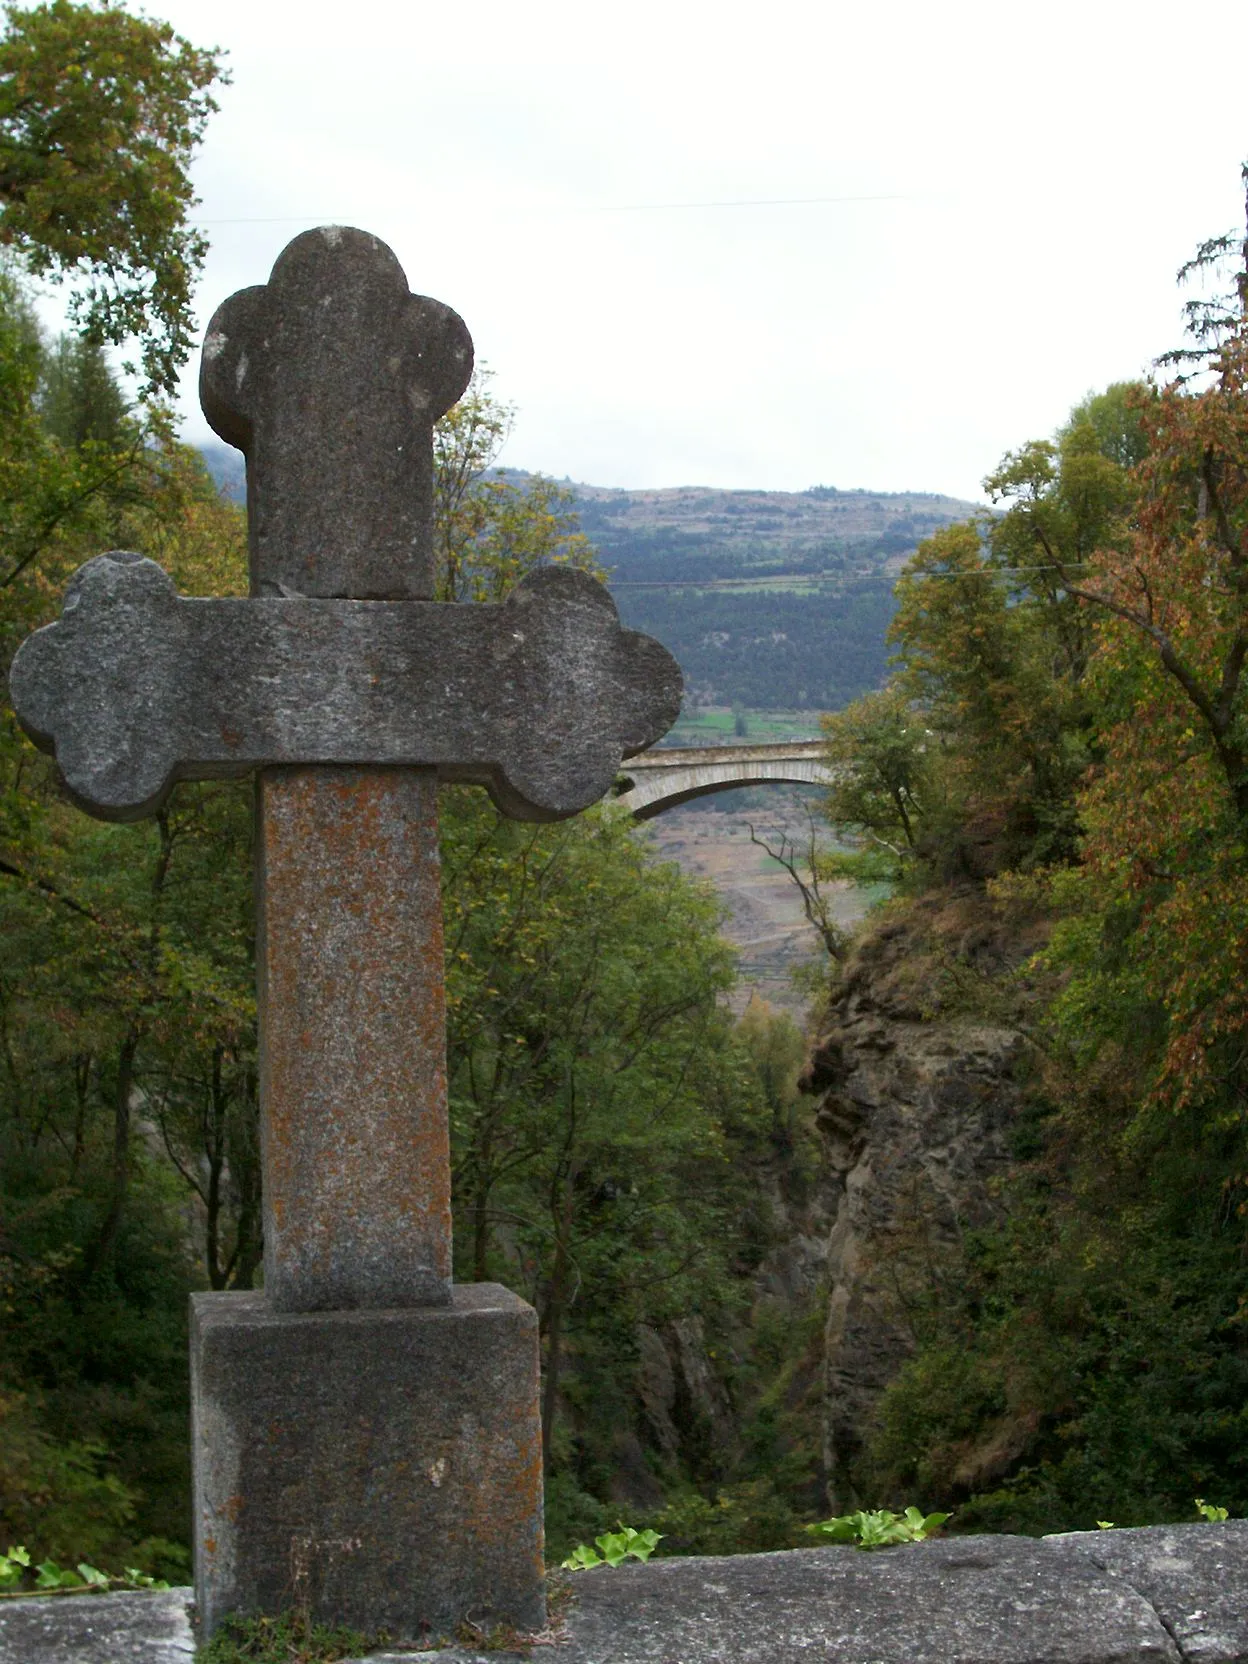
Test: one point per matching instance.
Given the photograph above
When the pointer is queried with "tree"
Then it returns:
(79, 470)
(1065, 499)
(1157, 934)
(79, 399)
(1167, 814)
(778, 1049)
(126, 1071)
(1091, 1361)
(813, 871)
(590, 1069)
(993, 643)
(100, 114)
(877, 749)
(488, 529)
(1181, 585)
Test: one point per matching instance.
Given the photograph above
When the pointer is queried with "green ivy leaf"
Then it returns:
(581, 1559)
(52, 1576)
(880, 1527)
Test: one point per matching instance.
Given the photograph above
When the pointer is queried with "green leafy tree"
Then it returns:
(777, 1049)
(1084, 1360)
(125, 1006)
(80, 472)
(884, 779)
(590, 1071)
(1167, 814)
(488, 529)
(100, 114)
(992, 646)
(79, 399)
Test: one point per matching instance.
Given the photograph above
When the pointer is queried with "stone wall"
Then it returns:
(1160, 1595)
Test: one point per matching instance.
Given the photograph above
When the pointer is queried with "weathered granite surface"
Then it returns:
(97, 1629)
(538, 699)
(383, 1468)
(1164, 1595)
(330, 377)
(1195, 1576)
(357, 1171)
(970, 1601)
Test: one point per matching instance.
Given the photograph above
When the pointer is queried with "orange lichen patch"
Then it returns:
(352, 1040)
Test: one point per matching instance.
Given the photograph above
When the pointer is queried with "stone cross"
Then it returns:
(364, 1431)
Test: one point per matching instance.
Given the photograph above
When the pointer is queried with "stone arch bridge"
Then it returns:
(659, 779)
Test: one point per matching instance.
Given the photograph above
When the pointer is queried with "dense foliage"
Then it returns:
(1066, 732)
(771, 648)
(100, 113)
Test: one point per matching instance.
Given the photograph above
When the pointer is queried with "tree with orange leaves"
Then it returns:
(1166, 816)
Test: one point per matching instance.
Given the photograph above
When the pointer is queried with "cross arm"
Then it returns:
(538, 699)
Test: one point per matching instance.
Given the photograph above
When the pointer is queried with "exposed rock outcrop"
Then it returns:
(918, 1080)
(687, 1411)
(916, 1096)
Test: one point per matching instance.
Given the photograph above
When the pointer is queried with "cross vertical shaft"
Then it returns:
(367, 1440)
(357, 1208)
(330, 378)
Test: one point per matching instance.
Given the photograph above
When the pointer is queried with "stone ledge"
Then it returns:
(1159, 1595)
(1194, 1576)
(97, 1629)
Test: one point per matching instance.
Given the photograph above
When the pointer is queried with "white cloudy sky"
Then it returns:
(1023, 182)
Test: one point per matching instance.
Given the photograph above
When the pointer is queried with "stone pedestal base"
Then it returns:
(377, 1468)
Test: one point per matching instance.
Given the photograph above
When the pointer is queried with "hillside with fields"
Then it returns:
(695, 532)
(770, 600)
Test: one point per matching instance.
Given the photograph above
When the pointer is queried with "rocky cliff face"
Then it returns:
(917, 1080)
(915, 1099)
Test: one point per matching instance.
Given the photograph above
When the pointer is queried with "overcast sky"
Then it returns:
(747, 246)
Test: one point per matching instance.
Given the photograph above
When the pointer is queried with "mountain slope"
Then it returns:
(694, 532)
(774, 600)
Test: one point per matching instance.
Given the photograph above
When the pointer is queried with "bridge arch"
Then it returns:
(660, 779)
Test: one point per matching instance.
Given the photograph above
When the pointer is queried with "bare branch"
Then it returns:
(815, 904)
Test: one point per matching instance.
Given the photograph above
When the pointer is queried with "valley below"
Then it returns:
(764, 920)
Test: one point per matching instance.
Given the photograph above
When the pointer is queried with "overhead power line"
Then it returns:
(812, 579)
(1005, 571)
(602, 208)
(746, 202)
(275, 219)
